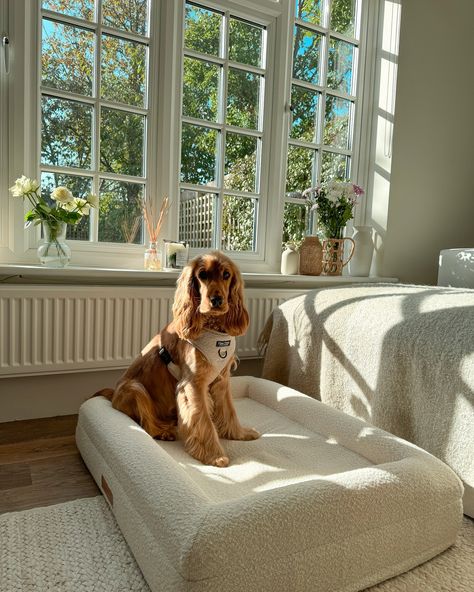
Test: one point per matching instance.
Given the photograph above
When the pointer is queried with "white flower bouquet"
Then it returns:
(334, 204)
(67, 209)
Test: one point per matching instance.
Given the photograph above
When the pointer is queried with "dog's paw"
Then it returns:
(168, 435)
(249, 434)
(220, 461)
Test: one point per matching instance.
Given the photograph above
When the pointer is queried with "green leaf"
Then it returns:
(43, 208)
(31, 215)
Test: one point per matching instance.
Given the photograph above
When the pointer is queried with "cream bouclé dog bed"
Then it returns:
(322, 501)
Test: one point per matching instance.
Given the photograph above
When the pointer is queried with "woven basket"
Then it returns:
(311, 256)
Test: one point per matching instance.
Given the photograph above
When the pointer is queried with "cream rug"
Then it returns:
(78, 547)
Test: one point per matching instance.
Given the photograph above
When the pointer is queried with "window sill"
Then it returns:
(36, 274)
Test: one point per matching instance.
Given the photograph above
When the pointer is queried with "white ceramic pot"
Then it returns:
(290, 259)
(360, 263)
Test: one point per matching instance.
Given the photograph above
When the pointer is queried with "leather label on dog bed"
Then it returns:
(107, 491)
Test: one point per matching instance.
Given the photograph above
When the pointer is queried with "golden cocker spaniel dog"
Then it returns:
(180, 383)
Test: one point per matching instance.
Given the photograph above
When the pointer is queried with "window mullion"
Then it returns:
(202, 122)
(69, 20)
(222, 147)
(204, 57)
(94, 220)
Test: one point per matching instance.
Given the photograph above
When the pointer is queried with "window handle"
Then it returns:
(6, 53)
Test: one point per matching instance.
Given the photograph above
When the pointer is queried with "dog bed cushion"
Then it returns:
(322, 501)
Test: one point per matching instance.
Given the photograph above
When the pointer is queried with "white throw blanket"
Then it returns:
(401, 357)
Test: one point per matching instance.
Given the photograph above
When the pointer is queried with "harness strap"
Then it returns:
(168, 360)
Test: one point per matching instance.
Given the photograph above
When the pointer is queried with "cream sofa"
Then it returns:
(400, 357)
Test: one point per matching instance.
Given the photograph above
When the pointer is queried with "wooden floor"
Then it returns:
(40, 464)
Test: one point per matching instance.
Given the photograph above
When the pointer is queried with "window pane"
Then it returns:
(79, 187)
(197, 211)
(304, 111)
(238, 224)
(343, 16)
(123, 69)
(243, 92)
(120, 212)
(240, 162)
(127, 16)
(335, 166)
(340, 63)
(307, 55)
(294, 223)
(245, 43)
(202, 30)
(337, 123)
(79, 8)
(66, 133)
(67, 57)
(310, 11)
(198, 155)
(121, 142)
(200, 89)
(299, 172)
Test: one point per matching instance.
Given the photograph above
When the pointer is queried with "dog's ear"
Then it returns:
(237, 318)
(187, 318)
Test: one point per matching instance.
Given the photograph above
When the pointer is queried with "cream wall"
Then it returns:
(431, 204)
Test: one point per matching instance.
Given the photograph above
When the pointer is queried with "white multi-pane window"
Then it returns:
(323, 101)
(94, 110)
(139, 99)
(223, 100)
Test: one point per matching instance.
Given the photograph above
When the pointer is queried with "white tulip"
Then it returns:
(93, 200)
(23, 186)
(82, 206)
(62, 195)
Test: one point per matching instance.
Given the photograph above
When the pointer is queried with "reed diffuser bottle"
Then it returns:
(152, 259)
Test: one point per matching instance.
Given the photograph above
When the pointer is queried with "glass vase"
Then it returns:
(152, 260)
(53, 251)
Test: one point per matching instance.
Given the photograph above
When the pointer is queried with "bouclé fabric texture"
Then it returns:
(320, 497)
(398, 356)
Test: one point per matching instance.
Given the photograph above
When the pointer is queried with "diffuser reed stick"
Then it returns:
(149, 213)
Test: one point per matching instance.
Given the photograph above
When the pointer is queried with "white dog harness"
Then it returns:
(218, 348)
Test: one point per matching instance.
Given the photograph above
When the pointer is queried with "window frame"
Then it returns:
(361, 101)
(252, 260)
(98, 103)
(165, 68)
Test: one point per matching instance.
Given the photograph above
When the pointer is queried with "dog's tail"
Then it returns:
(108, 393)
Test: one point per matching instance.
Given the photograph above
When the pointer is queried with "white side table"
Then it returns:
(456, 268)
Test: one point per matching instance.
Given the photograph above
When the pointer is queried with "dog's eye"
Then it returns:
(203, 275)
(226, 275)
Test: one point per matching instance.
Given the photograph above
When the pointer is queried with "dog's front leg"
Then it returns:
(195, 425)
(224, 414)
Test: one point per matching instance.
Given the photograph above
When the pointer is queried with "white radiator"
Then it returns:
(52, 329)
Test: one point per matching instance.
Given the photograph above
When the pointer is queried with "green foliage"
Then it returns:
(200, 84)
(245, 43)
(295, 223)
(238, 224)
(343, 16)
(67, 64)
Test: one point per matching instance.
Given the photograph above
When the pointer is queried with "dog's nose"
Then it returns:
(216, 301)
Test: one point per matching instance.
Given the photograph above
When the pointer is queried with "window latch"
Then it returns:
(6, 54)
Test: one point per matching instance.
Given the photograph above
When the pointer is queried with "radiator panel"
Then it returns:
(51, 329)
